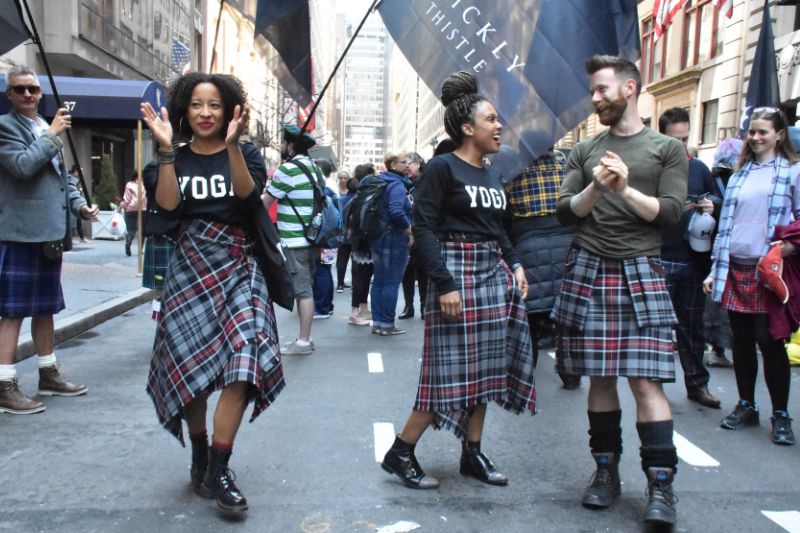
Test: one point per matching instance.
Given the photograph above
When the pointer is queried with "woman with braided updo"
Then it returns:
(477, 346)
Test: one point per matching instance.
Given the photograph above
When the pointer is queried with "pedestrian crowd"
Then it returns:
(621, 255)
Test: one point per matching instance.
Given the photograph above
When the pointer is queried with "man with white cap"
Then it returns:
(686, 255)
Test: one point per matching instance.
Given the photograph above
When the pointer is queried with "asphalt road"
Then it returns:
(101, 463)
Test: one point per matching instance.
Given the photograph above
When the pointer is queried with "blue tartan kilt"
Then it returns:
(30, 284)
(157, 252)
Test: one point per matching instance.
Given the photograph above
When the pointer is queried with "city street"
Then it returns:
(101, 463)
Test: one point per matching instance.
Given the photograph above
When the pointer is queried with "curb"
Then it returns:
(78, 323)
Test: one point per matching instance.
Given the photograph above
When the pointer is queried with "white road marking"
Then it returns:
(552, 354)
(375, 362)
(788, 520)
(691, 454)
(384, 437)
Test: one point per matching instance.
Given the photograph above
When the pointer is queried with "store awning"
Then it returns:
(95, 99)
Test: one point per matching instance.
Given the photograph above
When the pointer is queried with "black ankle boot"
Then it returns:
(475, 463)
(220, 479)
(200, 465)
(661, 500)
(400, 460)
(605, 485)
(408, 312)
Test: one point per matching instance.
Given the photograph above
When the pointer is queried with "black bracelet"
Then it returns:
(166, 158)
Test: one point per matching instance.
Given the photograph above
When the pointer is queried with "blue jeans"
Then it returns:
(323, 289)
(389, 256)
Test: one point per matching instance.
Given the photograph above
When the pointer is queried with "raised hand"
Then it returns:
(238, 124)
(62, 121)
(160, 126)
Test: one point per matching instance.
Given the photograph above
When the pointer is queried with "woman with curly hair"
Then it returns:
(477, 346)
(218, 330)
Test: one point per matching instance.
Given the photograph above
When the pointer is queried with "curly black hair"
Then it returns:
(179, 95)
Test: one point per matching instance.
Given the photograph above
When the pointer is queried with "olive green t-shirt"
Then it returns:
(657, 167)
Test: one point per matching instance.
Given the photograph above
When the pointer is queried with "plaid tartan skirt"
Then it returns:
(30, 284)
(484, 357)
(614, 318)
(743, 292)
(218, 325)
(157, 252)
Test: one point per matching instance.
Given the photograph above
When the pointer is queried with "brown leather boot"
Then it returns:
(52, 383)
(12, 400)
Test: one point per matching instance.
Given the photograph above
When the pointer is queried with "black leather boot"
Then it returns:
(605, 485)
(220, 479)
(400, 460)
(408, 312)
(475, 463)
(661, 500)
(200, 465)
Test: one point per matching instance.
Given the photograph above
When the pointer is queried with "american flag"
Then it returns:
(181, 55)
(725, 7)
(663, 12)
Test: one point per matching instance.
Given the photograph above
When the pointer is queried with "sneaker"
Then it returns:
(387, 332)
(322, 316)
(376, 330)
(14, 401)
(340, 289)
(718, 359)
(295, 349)
(782, 428)
(356, 320)
(53, 383)
(745, 414)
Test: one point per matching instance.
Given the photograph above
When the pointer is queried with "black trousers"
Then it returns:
(750, 330)
(342, 258)
(362, 274)
(414, 273)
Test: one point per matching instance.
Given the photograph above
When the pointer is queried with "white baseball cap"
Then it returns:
(701, 226)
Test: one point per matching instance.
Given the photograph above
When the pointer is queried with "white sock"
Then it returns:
(47, 360)
(7, 372)
(302, 343)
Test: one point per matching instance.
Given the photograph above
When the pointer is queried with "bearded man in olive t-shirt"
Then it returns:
(614, 314)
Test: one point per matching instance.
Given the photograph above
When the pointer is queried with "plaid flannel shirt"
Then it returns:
(534, 193)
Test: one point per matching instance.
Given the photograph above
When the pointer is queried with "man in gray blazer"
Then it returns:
(36, 201)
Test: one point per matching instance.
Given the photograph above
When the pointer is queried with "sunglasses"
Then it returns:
(21, 89)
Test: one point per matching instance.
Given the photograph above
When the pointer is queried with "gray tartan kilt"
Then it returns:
(614, 318)
(218, 325)
(157, 251)
(487, 355)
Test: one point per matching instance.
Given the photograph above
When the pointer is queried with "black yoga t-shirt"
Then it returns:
(206, 188)
(453, 196)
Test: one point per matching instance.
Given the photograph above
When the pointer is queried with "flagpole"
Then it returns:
(216, 35)
(71, 144)
(338, 64)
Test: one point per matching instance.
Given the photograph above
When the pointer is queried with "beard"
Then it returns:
(609, 113)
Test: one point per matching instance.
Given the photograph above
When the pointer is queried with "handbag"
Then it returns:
(269, 257)
(53, 250)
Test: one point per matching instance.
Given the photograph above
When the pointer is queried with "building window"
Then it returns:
(702, 32)
(710, 121)
(653, 52)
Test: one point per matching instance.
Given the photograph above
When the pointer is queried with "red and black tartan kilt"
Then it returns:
(30, 284)
(484, 357)
(218, 325)
(743, 292)
(611, 341)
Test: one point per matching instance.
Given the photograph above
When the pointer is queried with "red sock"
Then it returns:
(221, 445)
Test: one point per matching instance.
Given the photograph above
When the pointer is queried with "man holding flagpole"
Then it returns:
(614, 313)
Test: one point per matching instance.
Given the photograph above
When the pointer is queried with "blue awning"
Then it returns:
(95, 99)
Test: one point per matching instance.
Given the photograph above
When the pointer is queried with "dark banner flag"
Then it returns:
(13, 31)
(762, 90)
(287, 26)
(529, 55)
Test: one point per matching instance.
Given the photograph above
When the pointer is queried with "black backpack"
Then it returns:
(362, 214)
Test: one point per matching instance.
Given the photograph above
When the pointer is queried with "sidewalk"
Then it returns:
(99, 282)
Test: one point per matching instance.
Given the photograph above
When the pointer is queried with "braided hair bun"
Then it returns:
(459, 96)
(458, 85)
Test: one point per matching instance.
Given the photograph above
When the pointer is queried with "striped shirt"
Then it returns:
(291, 182)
